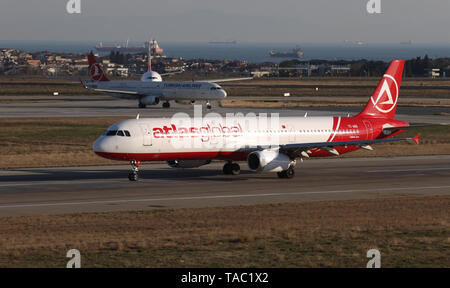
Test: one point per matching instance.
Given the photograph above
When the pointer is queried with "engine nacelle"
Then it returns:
(268, 161)
(149, 100)
(187, 163)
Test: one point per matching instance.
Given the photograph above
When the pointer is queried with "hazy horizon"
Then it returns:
(246, 21)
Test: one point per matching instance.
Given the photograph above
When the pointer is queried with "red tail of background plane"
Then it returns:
(383, 102)
(96, 70)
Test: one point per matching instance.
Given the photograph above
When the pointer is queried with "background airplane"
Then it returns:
(139, 140)
(151, 89)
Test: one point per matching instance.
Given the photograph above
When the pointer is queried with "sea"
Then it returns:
(255, 52)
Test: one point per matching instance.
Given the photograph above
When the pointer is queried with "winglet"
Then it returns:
(416, 139)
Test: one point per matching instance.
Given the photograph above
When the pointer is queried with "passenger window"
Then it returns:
(127, 133)
(120, 133)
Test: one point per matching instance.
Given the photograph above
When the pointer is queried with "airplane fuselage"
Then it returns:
(188, 90)
(232, 139)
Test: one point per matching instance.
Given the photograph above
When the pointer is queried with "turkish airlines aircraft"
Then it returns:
(151, 89)
(269, 146)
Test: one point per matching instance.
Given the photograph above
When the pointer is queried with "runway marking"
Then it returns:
(408, 170)
(68, 182)
(217, 197)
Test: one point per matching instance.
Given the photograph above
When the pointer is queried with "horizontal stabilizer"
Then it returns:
(416, 139)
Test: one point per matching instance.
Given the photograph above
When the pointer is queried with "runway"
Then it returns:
(99, 189)
(107, 106)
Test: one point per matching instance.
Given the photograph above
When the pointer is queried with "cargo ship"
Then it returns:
(156, 50)
(295, 53)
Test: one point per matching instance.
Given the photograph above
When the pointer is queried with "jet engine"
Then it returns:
(149, 100)
(268, 161)
(187, 163)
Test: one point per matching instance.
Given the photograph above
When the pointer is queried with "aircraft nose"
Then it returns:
(100, 145)
(223, 93)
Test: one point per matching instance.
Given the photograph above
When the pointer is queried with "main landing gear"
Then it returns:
(166, 104)
(208, 105)
(133, 176)
(142, 105)
(287, 174)
(231, 168)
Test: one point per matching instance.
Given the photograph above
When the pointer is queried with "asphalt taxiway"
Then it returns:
(106, 188)
(14, 107)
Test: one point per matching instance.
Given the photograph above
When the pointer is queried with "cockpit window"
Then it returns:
(216, 88)
(111, 133)
(121, 133)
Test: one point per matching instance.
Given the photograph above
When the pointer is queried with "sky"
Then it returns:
(267, 21)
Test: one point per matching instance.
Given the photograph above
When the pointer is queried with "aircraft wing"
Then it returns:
(226, 80)
(116, 91)
(295, 150)
(171, 73)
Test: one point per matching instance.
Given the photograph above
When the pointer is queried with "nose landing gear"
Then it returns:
(133, 176)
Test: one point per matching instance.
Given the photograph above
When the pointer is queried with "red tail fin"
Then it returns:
(96, 70)
(383, 102)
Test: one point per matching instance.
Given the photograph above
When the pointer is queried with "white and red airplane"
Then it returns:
(266, 147)
(151, 89)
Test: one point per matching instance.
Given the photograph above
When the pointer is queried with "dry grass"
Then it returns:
(51, 142)
(343, 81)
(42, 87)
(410, 232)
(35, 86)
(333, 92)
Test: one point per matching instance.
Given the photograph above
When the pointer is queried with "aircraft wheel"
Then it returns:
(235, 169)
(208, 106)
(133, 176)
(287, 174)
(231, 169)
(290, 173)
(142, 105)
(166, 105)
(227, 169)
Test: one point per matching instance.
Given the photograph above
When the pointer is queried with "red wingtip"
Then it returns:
(416, 139)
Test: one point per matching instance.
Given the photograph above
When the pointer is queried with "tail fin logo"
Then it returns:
(386, 100)
(96, 72)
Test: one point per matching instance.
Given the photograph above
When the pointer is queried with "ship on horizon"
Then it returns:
(156, 50)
